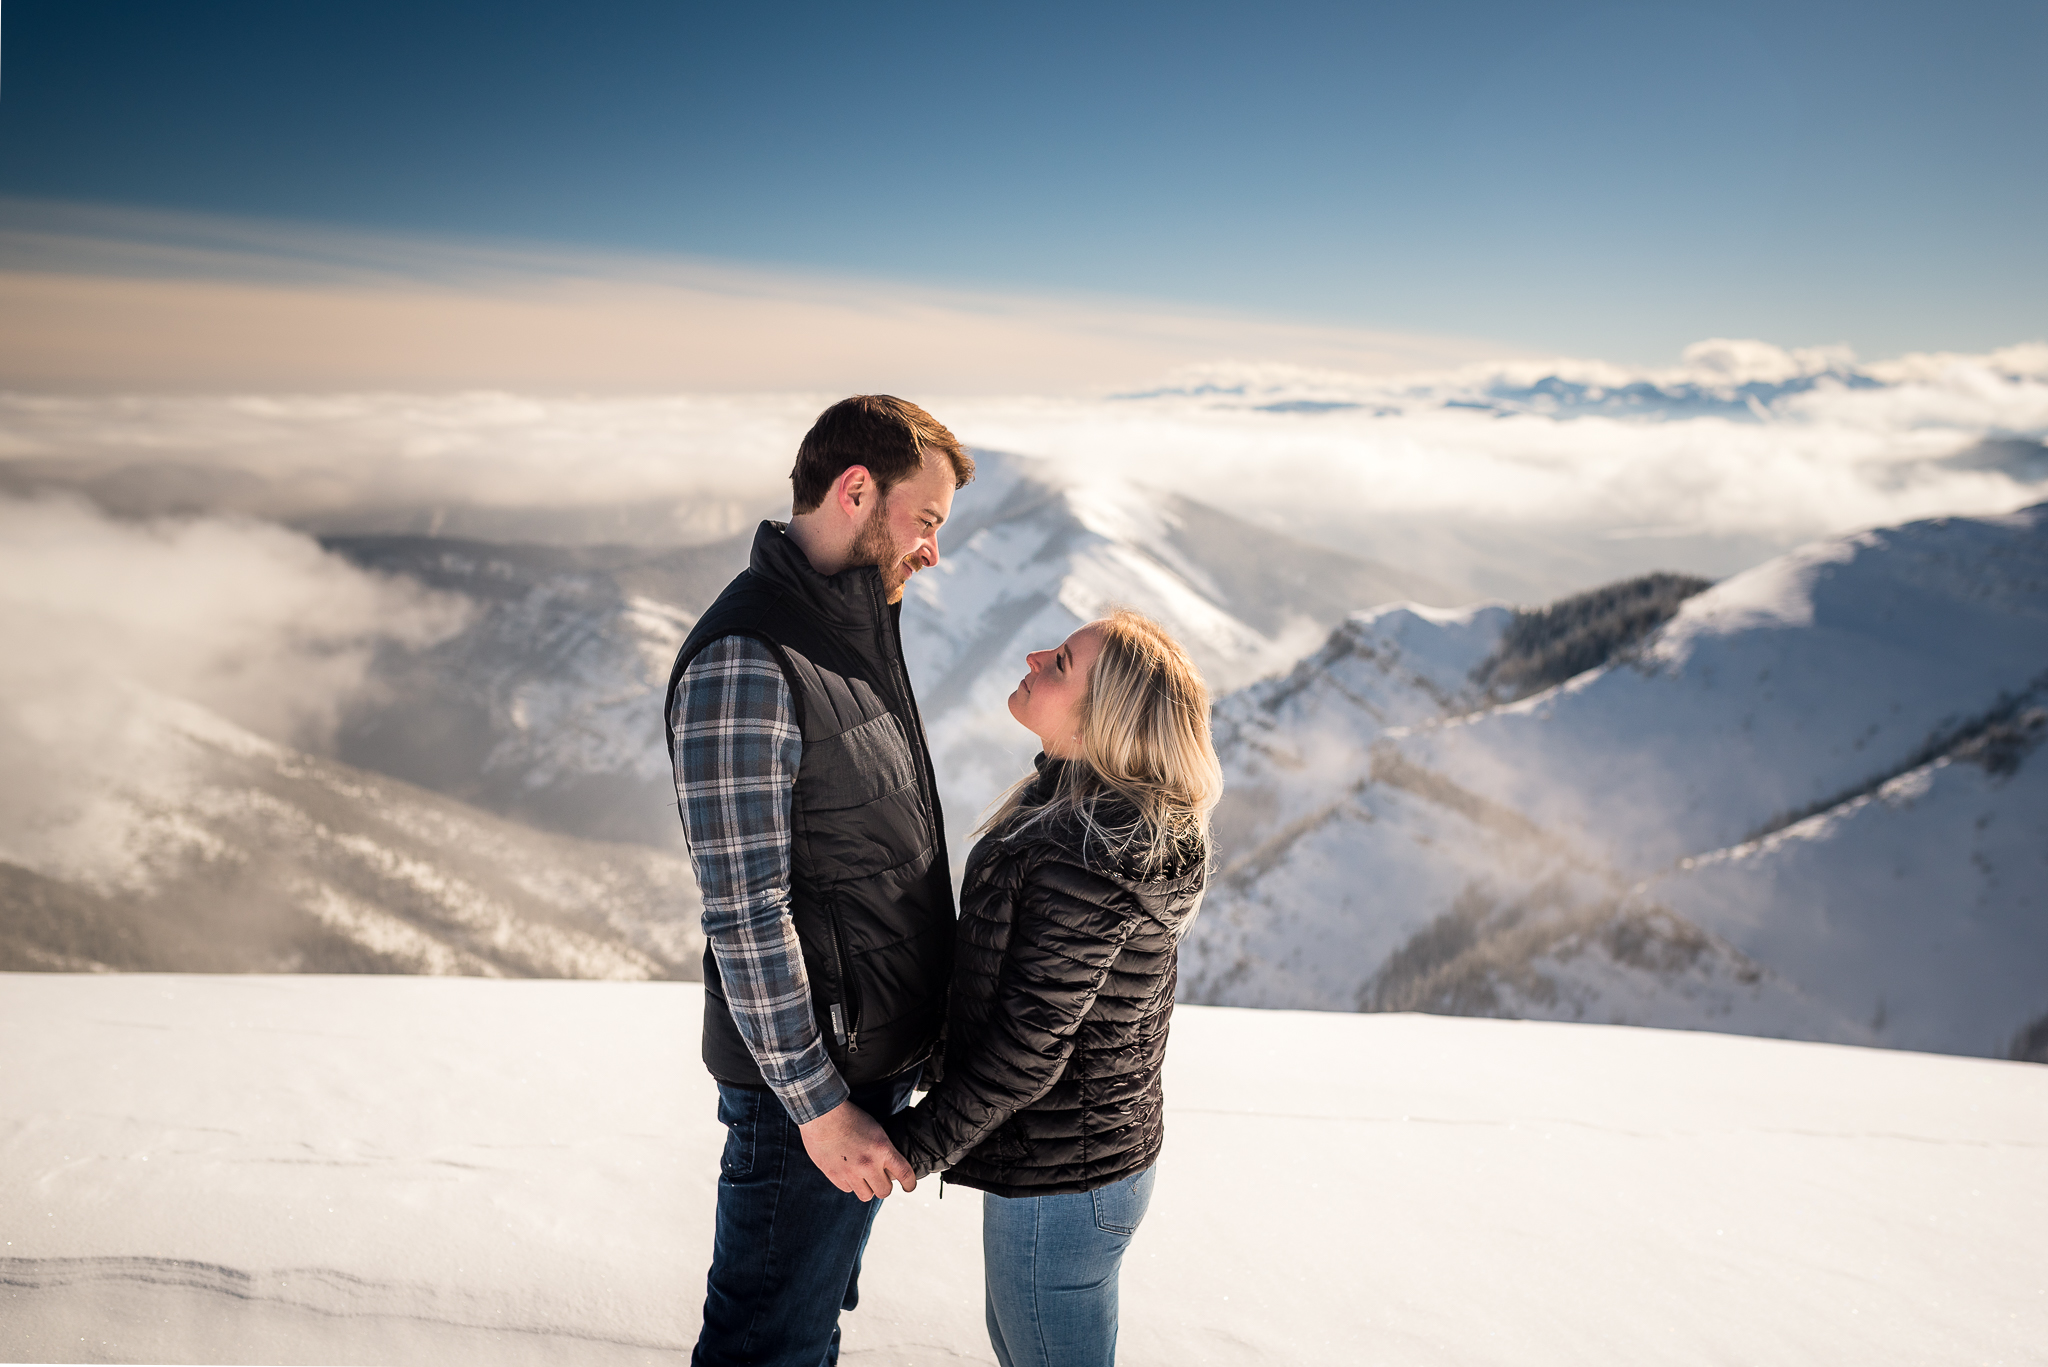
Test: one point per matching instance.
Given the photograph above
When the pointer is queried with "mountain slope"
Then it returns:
(1923, 903)
(1783, 689)
(211, 849)
(1353, 879)
(1032, 555)
(1806, 805)
(547, 708)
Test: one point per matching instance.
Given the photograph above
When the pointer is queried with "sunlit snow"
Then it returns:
(398, 1170)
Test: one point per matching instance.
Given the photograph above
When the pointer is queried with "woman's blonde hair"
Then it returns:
(1145, 739)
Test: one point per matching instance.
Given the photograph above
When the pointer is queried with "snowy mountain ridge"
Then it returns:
(1034, 554)
(547, 707)
(1812, 786)
(185, 841)
(1352, 878)
(1807, 804)
(1795, 683)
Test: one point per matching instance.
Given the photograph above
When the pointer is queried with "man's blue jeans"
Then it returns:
(785, 1258)
(1050, 1264)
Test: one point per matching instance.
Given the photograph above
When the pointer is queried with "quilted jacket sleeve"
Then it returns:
(1067, 927)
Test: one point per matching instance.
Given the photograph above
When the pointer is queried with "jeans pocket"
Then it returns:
(1120, 1206)
(739, 1111)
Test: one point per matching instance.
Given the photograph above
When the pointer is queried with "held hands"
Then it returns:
(849, 1147)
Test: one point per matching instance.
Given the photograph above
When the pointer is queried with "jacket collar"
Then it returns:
(1047, 782)
(850, 600)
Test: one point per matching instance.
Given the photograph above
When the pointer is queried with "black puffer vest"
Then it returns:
(870, 891)
(1062, 994)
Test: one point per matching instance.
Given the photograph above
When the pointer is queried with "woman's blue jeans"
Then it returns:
(1050, 1263)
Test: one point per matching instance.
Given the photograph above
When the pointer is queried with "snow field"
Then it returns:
(399, 1170)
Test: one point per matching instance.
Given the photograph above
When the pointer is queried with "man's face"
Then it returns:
(901, 535)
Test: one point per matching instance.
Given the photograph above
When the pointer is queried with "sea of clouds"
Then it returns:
(1519, 479)
(176, 549)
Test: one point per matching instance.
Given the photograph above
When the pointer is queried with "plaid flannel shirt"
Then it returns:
(737, 751)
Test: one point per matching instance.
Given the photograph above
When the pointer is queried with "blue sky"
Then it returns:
(1604, 180)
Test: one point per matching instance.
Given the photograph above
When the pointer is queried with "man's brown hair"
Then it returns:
(888, 435)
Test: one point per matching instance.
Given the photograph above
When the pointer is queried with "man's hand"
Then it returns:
(849, 1147)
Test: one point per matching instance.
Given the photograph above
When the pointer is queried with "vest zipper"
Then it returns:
(846, 1011)
(927, 781)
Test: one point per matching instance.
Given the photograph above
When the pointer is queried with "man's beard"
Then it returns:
(872, 546)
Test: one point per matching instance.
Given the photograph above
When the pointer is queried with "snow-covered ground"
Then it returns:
(414, 1170)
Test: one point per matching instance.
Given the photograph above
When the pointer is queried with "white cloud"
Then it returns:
(300, 455)
(1740, 361)
(1509, 477)
(250, 620)
(103, 620)
(2028, 360)
(1810, 462)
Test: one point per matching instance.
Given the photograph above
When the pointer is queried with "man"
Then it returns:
(808, 798)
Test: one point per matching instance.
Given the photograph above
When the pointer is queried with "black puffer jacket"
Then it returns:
(1063, 981)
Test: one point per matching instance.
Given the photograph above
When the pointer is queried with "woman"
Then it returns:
(1071, 913)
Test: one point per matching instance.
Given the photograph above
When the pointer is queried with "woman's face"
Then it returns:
(1048, 700)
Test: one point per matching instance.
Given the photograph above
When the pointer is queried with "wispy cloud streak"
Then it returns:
(103, 299)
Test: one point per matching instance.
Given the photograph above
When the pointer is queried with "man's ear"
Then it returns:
(855, 490)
